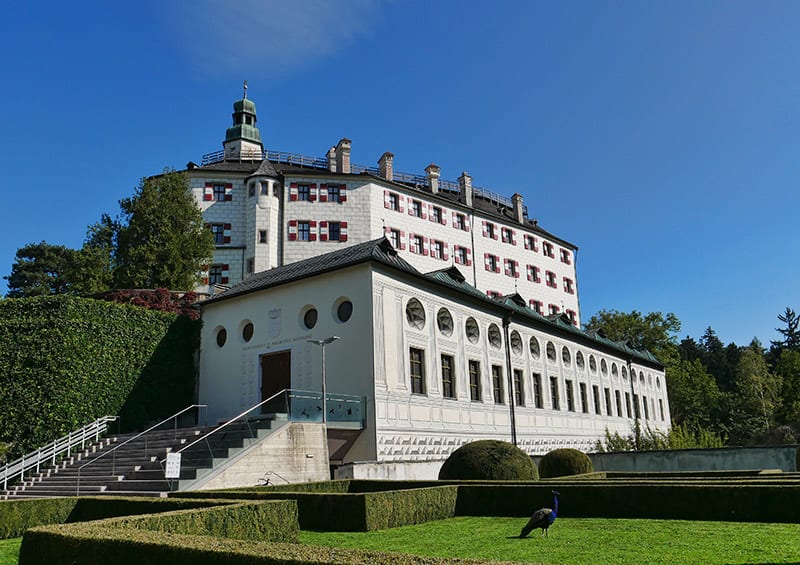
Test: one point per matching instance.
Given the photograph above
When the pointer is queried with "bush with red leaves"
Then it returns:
(156, 299)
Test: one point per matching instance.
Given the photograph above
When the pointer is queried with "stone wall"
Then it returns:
(725, 459)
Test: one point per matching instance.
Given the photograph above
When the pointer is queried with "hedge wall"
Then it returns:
(68, 360)
(404, 507)
(96, 544)
(697, 501)
(16, 516)
(274, 520)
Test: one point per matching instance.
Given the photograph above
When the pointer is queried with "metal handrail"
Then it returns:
(231, 421)
(53, 449)
(137, 436)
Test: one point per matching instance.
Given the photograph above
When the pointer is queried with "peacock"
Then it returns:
(542, 518)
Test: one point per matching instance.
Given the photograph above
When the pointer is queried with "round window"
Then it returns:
(534, 346)
(247, 331)
(614, 370)
(579, 361)
(624, 373)
(603, 367)
(222, 337)
(445, 322)
(565, 356)
(495, 340)
(344, 311)
(415, 314)
(592, 364)
(472, 330)
(310, 318)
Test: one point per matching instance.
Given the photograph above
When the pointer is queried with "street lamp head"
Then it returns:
(325, 341)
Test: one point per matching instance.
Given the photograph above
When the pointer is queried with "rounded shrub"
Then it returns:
(565, 462)
(490, 460)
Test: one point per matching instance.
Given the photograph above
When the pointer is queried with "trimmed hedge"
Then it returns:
(94, 544)
(16, 516)
(274, 520)
(70, 360)
(489, 459)
(564, 462)
(739, 503)
(356, 512)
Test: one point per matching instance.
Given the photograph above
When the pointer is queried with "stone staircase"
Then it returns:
(136, 469)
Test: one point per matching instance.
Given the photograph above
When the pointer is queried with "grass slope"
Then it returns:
(9, 551)
(576, 541)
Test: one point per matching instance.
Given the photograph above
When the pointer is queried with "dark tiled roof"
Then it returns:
(231, 167)
(265, 169)
(382, 252)
(379, 250)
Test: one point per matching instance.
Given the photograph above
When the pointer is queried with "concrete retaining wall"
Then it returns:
(781, 457)
(391, 470)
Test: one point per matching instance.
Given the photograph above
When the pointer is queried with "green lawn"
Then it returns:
(9, 551)
(583, 540)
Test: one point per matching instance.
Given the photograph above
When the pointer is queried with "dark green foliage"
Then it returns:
(564, 462)
(16, 516)
(274, 520)
(654, 331)
(413, 506)
(489, 460)
(94, 544)
(41, 269)
(161, 239)
(696, 500)
(67, 361)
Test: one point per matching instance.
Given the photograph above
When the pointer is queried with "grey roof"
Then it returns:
(382, 252)
(231, 167)
(265, 169)
(379, 250)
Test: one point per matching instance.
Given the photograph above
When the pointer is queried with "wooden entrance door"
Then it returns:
(276, 374)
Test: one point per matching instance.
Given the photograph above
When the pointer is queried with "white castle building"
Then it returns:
(457, 315)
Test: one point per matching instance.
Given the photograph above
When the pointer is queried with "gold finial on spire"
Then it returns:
(245, 89)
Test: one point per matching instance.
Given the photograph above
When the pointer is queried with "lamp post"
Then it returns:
(322, 343)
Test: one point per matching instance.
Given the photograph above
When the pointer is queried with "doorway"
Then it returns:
(276, 374)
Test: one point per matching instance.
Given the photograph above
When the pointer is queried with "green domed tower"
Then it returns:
(242, 139)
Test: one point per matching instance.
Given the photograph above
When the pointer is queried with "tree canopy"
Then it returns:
(158, 241)
(655, 332)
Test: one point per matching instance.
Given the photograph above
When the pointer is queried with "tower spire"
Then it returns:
(242, 139)
(244, 97)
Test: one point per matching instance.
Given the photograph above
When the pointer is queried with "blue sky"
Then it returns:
(659, 137)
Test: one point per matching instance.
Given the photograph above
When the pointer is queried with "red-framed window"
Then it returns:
(547, 249)
(462, 255)
(533, 274)
(569, 286)
(489, 230)
(511, 268)
(509, 235)
(491, 262)
(530, 243)
(537, 306)
(550, 279)
(566, 257)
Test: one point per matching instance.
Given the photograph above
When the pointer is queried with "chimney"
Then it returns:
(343, 156)
(465, 185)
(518, 208)
(385, 166)
(433, 171)
(332, 159)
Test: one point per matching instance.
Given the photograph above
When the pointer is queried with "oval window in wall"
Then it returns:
(624, 373)
(495, 340)
(344, 311)
(222, 336)
(444, 320)
(592, 364)
(566, 358)
(310, 317)
(603, 367)
(614, 371)
(472, 331)
(534, 346)
(551, 352)
(415, 314)
(247, 331)
(516, 343)
(579, 361)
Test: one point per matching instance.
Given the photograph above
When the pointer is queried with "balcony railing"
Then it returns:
(417, 181)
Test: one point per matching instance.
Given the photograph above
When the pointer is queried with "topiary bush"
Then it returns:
(491, 460)
(565, 462)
